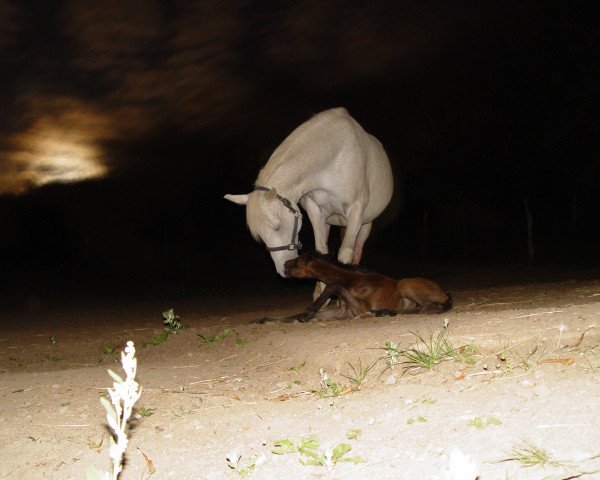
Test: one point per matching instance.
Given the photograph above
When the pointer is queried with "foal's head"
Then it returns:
(306, 265)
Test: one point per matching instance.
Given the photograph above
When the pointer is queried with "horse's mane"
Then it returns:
(256, 217)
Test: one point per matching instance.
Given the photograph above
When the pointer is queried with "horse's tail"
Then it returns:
(448, 303)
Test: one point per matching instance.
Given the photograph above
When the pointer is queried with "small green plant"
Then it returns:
(93, 445)
(479, 422)
(53, 358)
(429, 401)
(234, 461)
(146, 412)
(359, 374)
(353, 433)
(428, 353)
(222, 336)
(172, 326)
(309, 453)
(525, 361)
(111, 352)
(172, 321)
(306, 446)
(463, 354)
(328, 387)
(419, 419)
(297, 368)
(188, 410)
(123, 395)
(529, 455)
(392, 353)
(157, 339)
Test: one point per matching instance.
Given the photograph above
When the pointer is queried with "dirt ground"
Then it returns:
(533, 382)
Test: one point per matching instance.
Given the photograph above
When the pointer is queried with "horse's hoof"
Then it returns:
(259, 321)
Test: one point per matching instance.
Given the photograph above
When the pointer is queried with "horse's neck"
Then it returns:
(332, 274)
(286, 178)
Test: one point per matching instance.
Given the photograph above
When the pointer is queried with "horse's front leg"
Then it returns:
(321, 231)
(359, 243)
(353, 227)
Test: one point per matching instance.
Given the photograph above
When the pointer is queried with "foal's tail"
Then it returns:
(448, 303)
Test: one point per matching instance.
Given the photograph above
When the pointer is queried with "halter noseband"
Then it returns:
(295, 243)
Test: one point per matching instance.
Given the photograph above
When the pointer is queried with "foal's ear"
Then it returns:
(239, 199)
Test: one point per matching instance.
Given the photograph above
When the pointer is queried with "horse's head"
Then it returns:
(273, 220)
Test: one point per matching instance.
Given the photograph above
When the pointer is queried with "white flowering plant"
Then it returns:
(123, 396)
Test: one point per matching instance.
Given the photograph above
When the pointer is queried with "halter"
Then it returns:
(295, 243)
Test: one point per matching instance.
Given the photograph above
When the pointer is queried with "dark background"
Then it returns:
(481, 106)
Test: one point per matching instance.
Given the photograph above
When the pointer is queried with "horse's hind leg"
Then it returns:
(359, 243)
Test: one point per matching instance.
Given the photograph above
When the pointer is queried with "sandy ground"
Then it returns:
(533, 382)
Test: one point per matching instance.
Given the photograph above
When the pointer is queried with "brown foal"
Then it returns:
(363, 291)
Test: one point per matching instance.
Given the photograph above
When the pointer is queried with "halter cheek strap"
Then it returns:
(295, 243)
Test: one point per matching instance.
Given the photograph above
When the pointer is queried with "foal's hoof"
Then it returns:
(384, 312)
(304, 317)
(260, 321)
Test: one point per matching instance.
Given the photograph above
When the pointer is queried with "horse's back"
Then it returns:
(331, 152)
(325, 135)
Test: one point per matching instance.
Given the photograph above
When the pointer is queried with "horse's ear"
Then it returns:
(239, 199)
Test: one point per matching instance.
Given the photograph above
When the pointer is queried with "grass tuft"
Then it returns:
(359, 373)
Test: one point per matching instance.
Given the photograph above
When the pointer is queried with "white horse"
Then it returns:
(336, 171)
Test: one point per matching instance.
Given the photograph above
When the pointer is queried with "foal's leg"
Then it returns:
(308, 314)
(352, 303)
(313, 309)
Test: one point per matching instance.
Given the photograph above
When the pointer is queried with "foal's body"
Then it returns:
(365, 292)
